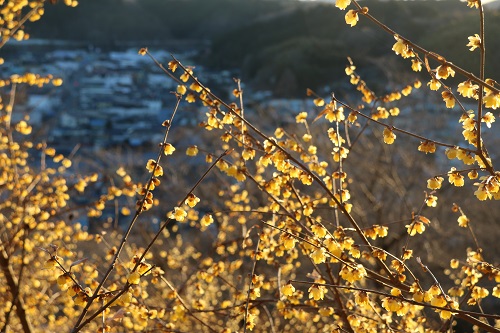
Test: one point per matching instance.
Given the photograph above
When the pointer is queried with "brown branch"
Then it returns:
(12, 282)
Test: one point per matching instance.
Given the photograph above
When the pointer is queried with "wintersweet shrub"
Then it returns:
(320, 225)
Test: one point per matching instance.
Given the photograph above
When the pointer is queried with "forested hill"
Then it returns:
(309, 46)
(110, 21)
(284, 45)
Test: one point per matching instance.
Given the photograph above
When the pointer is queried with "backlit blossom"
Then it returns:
(181, 89)
(434, 84)
(301, 117)
(168, 149)
(463, 221)
(401, 48)
(351, 17)
(134, 278)
(474, 42)
(455, 178)
(415, 227)
(342, 4)
(473, 3)
(427, 147)
(435, 183)
(448, 98)
(332, 114)
(192, 151)
(488, 119)
(467, 89)
(416, 65)
(444, 71)
(389, 136)
(492, 101)
(319, 255)
(177, 214)
(288, 289)
(192, 200)
(431, 201)
(207, 220)
(288, 241)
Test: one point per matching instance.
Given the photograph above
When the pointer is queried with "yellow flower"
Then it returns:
(467, 89)
(479, 292)
(143, 51)
(392, 304)
(172, 65)
(351, 17)
(288, 241)
(177, 214)
(451, 153)
(319, 255)
(415, 227)
(181, 89)
(301, 117)
(318, 230)
(492, 101)
(339, 153)
(192, 200)
(448, 98)
(401, 48)
(57, 82)
(185, 76)
(317, 292)
(488, 119)
(427, 147)
(288, 289)
(444, 71)
(473, 3)
(431, 201)
(63, 280)
(472, 174)
(389, 136)
(455, 178)
(347, 273)
(150, 166)
(406, 90)
(496, 292)
(416, 65)
(248, 154)
(362, 299)
(394, 111)
(279, 132)
(125, 211)
(134, 278)
(434, 84)
(350, 69)
(81, 299)
(469, 123)
(80, 186)
(342, 4)
(463, 221)
(333, 114)
(207, 220)
(482, 193)
(474, 42)
(168, 149)
(192, 151)
(352, 117)
(23, 127)
(319, 102)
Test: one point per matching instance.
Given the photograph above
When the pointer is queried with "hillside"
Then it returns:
(283, 46)
(313, 42)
